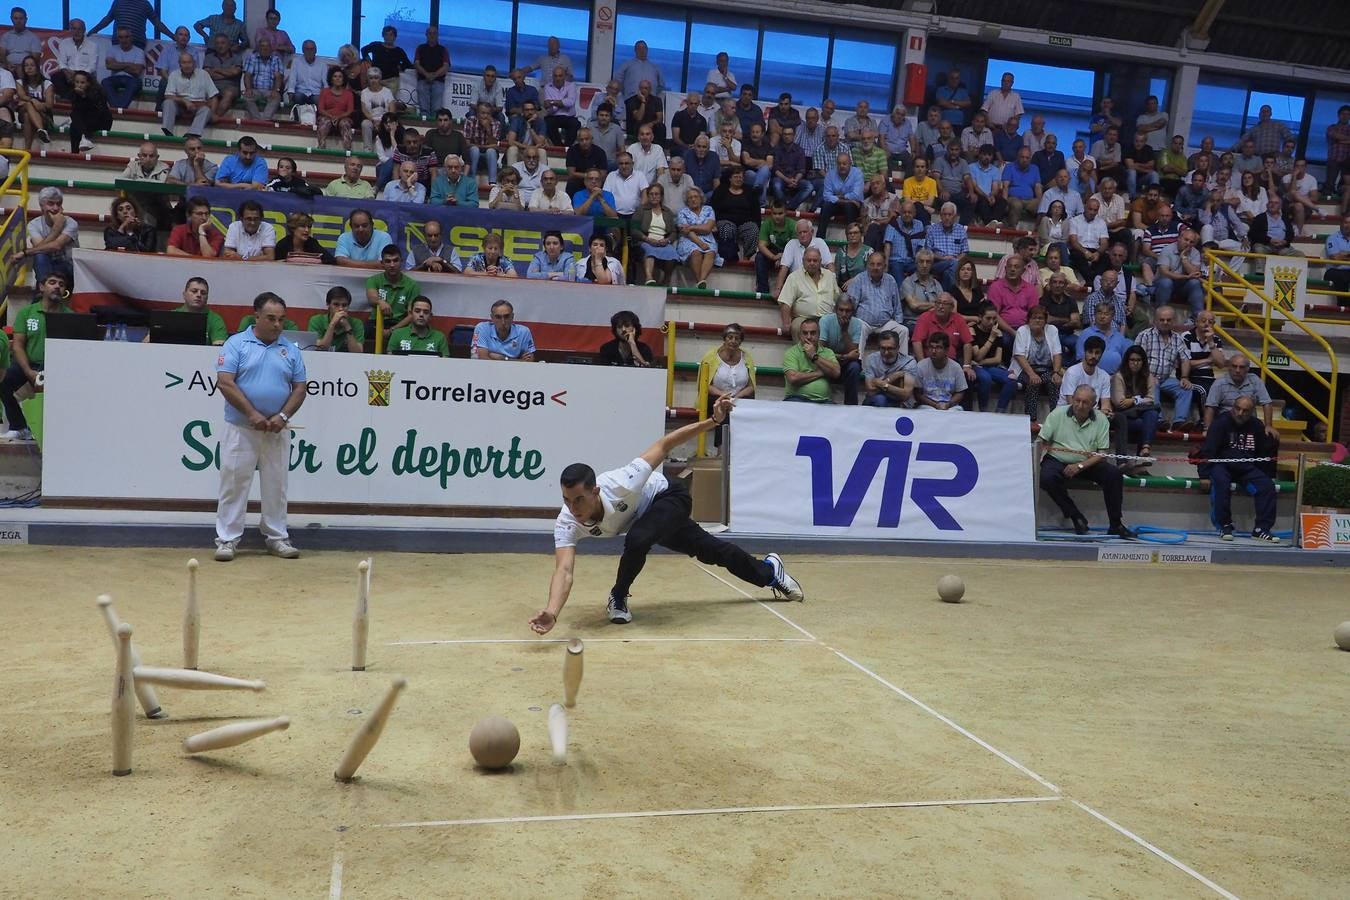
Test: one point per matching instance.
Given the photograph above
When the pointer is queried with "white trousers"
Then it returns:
(242, 450)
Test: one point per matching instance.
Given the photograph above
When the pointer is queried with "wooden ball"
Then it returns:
(1343, 635)
(494, 742)
(951, 588)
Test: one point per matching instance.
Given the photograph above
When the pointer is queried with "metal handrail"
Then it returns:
(1215, 296)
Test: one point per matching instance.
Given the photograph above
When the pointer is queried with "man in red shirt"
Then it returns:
(942, 317)
(197, 237)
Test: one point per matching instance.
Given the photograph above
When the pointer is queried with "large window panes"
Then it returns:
(478, 39)
(794, 62)
(88, 10)
(664, 33)
(569, 22)
(712, 35)
(411, 20)
(313, 20)
(1218, 111)
(1060, 93)
(1323, 116)
(1286, 108)
(863, 70)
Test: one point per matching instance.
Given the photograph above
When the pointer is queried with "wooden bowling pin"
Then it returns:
(192, 680)
(144, 692)
(192, 619)
(572, 672)
(365, 738)
(123, 703)
(234, 733)
(361, 620)
(557, 731)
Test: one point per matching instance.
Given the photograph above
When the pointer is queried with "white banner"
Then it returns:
(862, 472)
(141, 421)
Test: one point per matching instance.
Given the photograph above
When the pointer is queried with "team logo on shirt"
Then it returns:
(596, 532)
(377, 387)
(621, 506)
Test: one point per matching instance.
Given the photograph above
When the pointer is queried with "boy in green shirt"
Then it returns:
(195, 294)
(808, 367)
(419, 337)
(391, 290)
(30, 351)
(338, 329)
(775, 233)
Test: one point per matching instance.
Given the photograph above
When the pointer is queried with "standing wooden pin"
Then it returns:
(234, 733)
(123, 703)
(192, 619)
(365, 738)
(144, 692)
(557, 731)
(361, 620)
(572, 672)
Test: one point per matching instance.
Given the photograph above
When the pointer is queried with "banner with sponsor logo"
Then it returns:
(561, 316)
(862, 472)
(1325, 530)
(377, 430)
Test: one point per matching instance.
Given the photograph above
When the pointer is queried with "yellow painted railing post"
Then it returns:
(379, 330)
(670, 365)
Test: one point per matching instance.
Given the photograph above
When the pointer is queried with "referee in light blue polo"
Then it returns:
(262, 377)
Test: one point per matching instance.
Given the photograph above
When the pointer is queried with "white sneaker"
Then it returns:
(22, 434)
(225, 550)
(617, 610)
(784, 585)
(283, 549)
(86, 145)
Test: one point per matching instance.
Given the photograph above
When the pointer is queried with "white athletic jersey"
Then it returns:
(625, 494)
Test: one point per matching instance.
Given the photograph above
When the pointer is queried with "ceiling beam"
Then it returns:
(1204, 20)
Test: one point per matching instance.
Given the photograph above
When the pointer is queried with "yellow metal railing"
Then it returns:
(14, 197)
(1219, 302)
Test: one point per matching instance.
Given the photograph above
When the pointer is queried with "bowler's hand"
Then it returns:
(543, 622)
(275, 424)
(257, 421)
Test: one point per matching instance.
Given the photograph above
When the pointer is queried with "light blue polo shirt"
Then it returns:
(264, 372)
(233, 171)
(348, 247)
(518, 341)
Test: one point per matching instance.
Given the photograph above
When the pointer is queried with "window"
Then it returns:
(664, 33)
(1060, 93)
(794, 62)
(411, 22)
(863, 70)
(1286, 108)
(1324, 115)
(570, 23)
(478, 40)
(712, 35)
(1219, 105)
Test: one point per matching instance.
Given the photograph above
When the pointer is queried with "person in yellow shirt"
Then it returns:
(922, 189)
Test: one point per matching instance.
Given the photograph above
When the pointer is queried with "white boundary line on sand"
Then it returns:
(717, 811)
(591, 640)
(335, 879)
(757, 600)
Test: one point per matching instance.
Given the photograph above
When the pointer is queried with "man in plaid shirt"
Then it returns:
(264, 79)
(949, 242)
(1166, 352)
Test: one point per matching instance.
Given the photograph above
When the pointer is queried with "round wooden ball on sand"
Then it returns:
(494, 742)
(1343, 635)
(951, 588)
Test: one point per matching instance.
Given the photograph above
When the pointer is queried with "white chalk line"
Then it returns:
(590, 640)
(335, 879)
(748, 596)
(717, 811)
(1155, 850)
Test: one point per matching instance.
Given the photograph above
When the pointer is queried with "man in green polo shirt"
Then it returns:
(30, 351)
(391, 290)
(337, 329)
(775, 233)
(808, 367)
(195, 294)
(1076, 438)
(419, 336)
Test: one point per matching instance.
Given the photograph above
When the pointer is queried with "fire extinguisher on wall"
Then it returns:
(916, 84)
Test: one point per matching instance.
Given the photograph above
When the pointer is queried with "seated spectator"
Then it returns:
(526, 131)
(888, 374)
(51, 236)
(748, 112)
(1191, 198)
(1272, 232)
(868, 158)
(1173, 165)
(224, 64)
(953, 177)
(551, 263)
(198, 235)
(725, 115)
(130, 232)
(19, 41)
(1062, 312)
(598, 267)
(795, 251)
(490, 261)
(288, 180)
(942, 318)
(727, 147)
(1134, 393)
(1239, 381)
(626, 185)
(1049, 160)
(896, 137)
(776, 231)
(780, 116)
(1022, 186)
(594, 199)
(989, 360)
(939, 383)
(656, 234)
(445, 139)
(583, 156)
(948, 241)
(648, 157)
(453, 187)
(1013, 295)
(608, 135)
(189, 90)
(686, 125)
(1074, 161)
(391, 291)
(977, 136)
(697, 247)
(877, 300)
(1235, 435)
(1181, 272)
(410, 149)
(880, 211)
(195, 297)
(1052, 232)
(612, 97)
(30, 349)
(675, 181)
(1076, 438)
(1037, 360)
(506, 194)
(1337, 248)
(502, 338)
(738, 217)
(1104, 326)
(626, 349)
(1168, 357)
(531, 174)
(337, 330)
(299, 244)
(858, 124)
(1109, 154)
(842, 193)
(484, 135)
(1060, 191)
(418, 336)
(757, 158)
(307, 77)
(1088, 239)
(1300, 194)
(1206, 351)
(968, 291)
(1008, 140)
(920, 290)
(850, 260)
(726, 371)
(264, 79)
(36, 99)
(843, 334)
(809, 367)
(520, 93)
(360, 246)
(922, 191)
(245, 170)
(351, 185)
(1141, 165)
(645, 108)
(549, 198)
(790, 165)
(248, 236)
(433, 254)
(808, 293)
(824, 158)
(406, 188)
(987, 197)
(1089, 372)
(126, 62)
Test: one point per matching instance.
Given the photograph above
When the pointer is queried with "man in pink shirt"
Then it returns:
(1012, 296)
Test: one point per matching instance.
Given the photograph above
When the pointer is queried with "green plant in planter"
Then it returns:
(1326, 486)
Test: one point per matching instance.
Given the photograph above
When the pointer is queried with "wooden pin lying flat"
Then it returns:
(369, 733)
(144, 692)
(192, 680)
(123, 703)
(572, 666)
(234, 733)
(192, 619)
